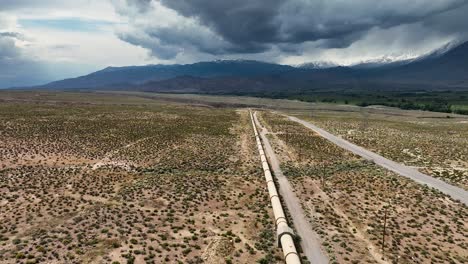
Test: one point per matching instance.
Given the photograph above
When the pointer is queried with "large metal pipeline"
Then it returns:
(284, 233)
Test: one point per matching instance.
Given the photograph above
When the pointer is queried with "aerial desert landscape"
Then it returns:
(130, 183)
(104, 178)
(233, 132)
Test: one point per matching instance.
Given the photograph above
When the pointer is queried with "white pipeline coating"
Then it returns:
(289, 250)
(284, 232)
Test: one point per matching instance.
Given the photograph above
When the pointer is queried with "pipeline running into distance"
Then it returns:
(284, 233)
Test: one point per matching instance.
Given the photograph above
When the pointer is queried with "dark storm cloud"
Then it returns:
(152, 44)
(341, 42)
(295, 21)
(337, 20)
(206, 43)
(454, 22)
(242, 21)
(253, 26)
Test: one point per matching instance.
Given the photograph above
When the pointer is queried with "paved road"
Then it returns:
(310, 240)
(452, 191)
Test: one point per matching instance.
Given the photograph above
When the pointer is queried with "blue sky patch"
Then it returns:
(66, 24)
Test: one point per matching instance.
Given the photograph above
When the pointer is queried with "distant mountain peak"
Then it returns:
(445, 48)
(318, 65)
(389, 60)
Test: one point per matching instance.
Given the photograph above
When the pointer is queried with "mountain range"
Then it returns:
(444, 69)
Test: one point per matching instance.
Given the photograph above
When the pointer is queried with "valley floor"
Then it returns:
(347, 199)
(138, 178)
(116, 180)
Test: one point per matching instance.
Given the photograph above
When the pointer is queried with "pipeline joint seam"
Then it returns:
(273, 196)
(284, 230)
(289, 253)
(281, 218)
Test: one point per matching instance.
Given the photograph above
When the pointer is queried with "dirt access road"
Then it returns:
(310, 242)
(455, 192)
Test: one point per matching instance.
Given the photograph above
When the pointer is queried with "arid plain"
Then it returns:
(147, 178)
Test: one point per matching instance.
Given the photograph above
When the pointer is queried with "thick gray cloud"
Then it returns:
(256, 26)
(452, 22)
(240, 22)
(153, 44)
(333, 19)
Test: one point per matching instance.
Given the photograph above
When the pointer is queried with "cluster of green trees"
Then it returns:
(436, 101)
(443, 107)
(435, 106)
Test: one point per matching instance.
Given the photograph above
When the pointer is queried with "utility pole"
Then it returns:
(396, 251)
(383, 235)
(322, 177)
